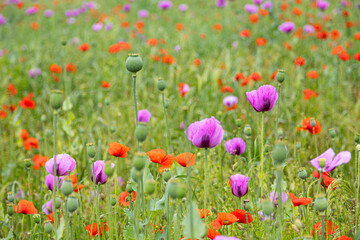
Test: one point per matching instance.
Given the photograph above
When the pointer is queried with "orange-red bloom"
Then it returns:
(313, 75)
(24, 134)
(73, 179)
(197, 62)
(159, 156)
(39, 161)
(70, 68)
(226, 89)
(11, 89)
(299, 61)
(330, 228)
(241, 215)
(223, 218)
(31, 143)
(168, 59)
(306, 126)
(245, 33)
(54, 68)
(344, 56)
(212, 233)
(118, 150)
(105, 84)
(343, 237)
(202, 213)
(28, 103)
(93, 229)
(260, 41)
(309, 94)
(239, 76)
(3, 114)
(325, 178)
(126, 202)
(84, 47)
(255, 76)
(26, 207)
(299, 201)
(184, 158)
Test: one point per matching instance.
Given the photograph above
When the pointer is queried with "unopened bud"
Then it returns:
(91, 150)
(267, 207)
(280, 76)
(139, 160)
(166, 175)
(312, 122)
(10, 209)
(279, 153)
(302, 173)
(67, 187)
(28, 163)
(48, 227)
(36, 218)
(247, 130)
(72, 204)
(109, 170)
(10, 196)
(332, 133)
(141, 131)
(56, 99)
(161, 84)
(321, 203)
(150, 186)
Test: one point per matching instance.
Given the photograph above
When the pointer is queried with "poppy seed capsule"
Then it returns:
(10, 196)
(109, 171)
(279, 153)
(280, 76)
(10, 209)
(181, 191)
(28, 162)
(166, 175)
(321, 203)
(267, 207)
(129, 188)
(322, 162)
(48, 227)
(134, 63)
(302, 173)
(141, 132)
(161, 84)
(72, 204)
(57, 203)
(135, 175)
(247, 130)
(246, 205)
(56, 99)
(312, 123)
(36, 218)
(139, 161)
(332, 133)
(150, 186)
(238, 123)
(66, 187)
(356, 138)
(91, 150)
(113, 200)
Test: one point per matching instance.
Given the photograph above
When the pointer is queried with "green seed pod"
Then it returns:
(267, 207)
(129, 187)
(332, 133)
(28, 163)
(173, 188)
(321, 203)
(57, 203)
(238, 123)
(166, 175)
(135, 175)
(134, 63)
(112, 129)
(56, 99)
(107, 101)
(312, 122)
(48, 227)
(141, 131)
(322, 162)
(67, 187)
(10, 209)
(356, 138)
(161, 84)
(280, 76)
(302, 173)
(10, 196)
(181, 191)
(246, 205)
(281, 133)
(139, 160)
(72, 204)
(167, 103)
(91, 150)
(247, 130)
(109, 170)
(279, 153)
(36, 218)
(113, 200)
(298, 145)
(150, 186)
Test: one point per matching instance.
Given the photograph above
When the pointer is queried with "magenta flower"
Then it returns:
(64, 165)
(221, 3)
(239, 185)
(144, 116)
(100, 176)
(322, 4)
(143, 13)
(225, 238)
(165, 4)
(49, 182)
(287, 27)
(230, 101)
(206, 133)
(330, 162)
(48, 207)
(309, 29)
(251, 8)
(48, 13)
(258, 2)
(127, 7)
(121, 181)
(182, 125)
(34, 72)
(97, 27)
(263, 99)
(2, 19)
(31, 10)
(183, 7)
(235, 146)
(108, 27)
(273, 199)
(267, 5)
(89, 5)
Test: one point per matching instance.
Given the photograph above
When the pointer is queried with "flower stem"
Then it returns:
(316, 149)
(142, 196)
(357, 191)
(262, 154)
(167, 122)
(280, 199)
(206, 183)
(278, 112)
(135, 104)
(28, 172)
(55, 171)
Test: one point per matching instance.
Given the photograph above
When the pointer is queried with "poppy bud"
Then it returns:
(56, 99)
(161, 84)
(48, 227)
(139, 161)
(312, 123)
(141, 132)
(247, 130)
(72, 204)
(356, 138)
(107, 101)
(322, 162)
(166, 175)
(181, 191)
(36, 218)
(112, 129)
(321, 203)
(267, 207)
(28, 163)
(167, 103)
(246, 205)
(10, 196)
(109, 171)
(66, 187)
(10, 209)
(134, 63)
(280, 76)
(129, 187)
(135, 175)
(57, 203)
(150, 186)
(332, 133)
(302, 173)
(279, 153)
(238, 123)
(281, 133)
(298, 145)
(173, 188)
(91, 150)
(113, 200)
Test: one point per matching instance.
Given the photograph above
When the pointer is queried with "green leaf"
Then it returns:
(160, 205)
(130, 214)
(60, 230)
(2, 218)
(129, 232)
(197, 225)
(67, 105)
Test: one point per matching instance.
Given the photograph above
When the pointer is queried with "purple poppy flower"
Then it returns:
(251, 8)
(121, 181)
(258, 2)
(143, 13)
(48, 13)
(165, 4)
(274, 199)
(230, 101)
(89, 5)
(100, 176)
(330, 162)
(239, 185)
(182, 125)
(235, 146)
(144, 116)
(267, 218)
(48, 207)
(31, 10)
(287, 27)
(235, 44)
(49, 182)
(221, 3)
(263, 99)
(183, 7)
(34, 72)
(64, 165)
(70, 20)
(206, 133)
(72, 13)
(2, 19)
(322, 4)
(126, 7)
(225, 238)
(343, 3)
(97, 27)
(267, 5)
(108, 26)
(308, 29)
(177, 48)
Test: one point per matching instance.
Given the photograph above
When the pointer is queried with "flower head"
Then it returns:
(299, 201)
(118, 150)
(26, 207)
(144, 116)
(287, 27)
(100, 176)
(230, 102)
(185, 158)
(159, 156)
(64, 164)
(331, 161)
(235, 146)
(263, 99)
(239, 185)
(49, 182)
(165, 4)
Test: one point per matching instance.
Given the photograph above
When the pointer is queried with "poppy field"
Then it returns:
(159, 119)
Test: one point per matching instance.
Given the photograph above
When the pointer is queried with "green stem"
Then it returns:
(357, 191)
(262, 154)
(30, 197)
(317, 152)
(54, 170)
(167, 122)
(71, 231)
(278, 112)
(280, 199)
(135, 104)
(97, 207)
(206, 183)
(142, 196)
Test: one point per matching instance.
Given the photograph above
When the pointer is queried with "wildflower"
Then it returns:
(105, 84)
(260, 41)
(241, 215)
(226, 89)
(185, 158)
(31, 10)
(325, 178)
(239, 185)
(2, 20)
(357, 56)
(274, 197)
(54, 68)
(239, 76)
(202, 213)
(223, 218)
(159, 156)
(34, 72)
(313, 75)
(221, 3)
(70, 68)
(123, 198)
(212, 233)
(253, 18)
(287, 27)
(251, 8)
(31, 143)
(39, 161)
(344, 56)
(26, 207)
(245, 81)
(64, 164)
(118, 150)
(168, 59)
(183, 7)
(127, 7)
(299, 201)
(217, 27)
(11, 89)
(143, 13)
(165, 4)
(306, 126)
(335, 34)
(225, 238)
(77, 187)
(235, 146)
(309, 94)
(267, 5)
(99, 168)
(267, 218)
(144, 116)
(255, 76)
(183, 88)
(48, 206)
(197, 62)
(322, 4)
(49, 182)
(96, 27)
(94, 230)
(263, 99)
(299, 61)
(24, 134)
(28, 103)
(48, 13)
(330, 227)
(309, 29)
(332, 161)
(297, 11)
(245, 33)
(3, 114)
(84, 47)
(230, 102)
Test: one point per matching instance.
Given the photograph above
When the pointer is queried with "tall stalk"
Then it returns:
(262, 155)
(167, 121)
(357, 187)
(55, 114)
(135, 104)
(206, 183)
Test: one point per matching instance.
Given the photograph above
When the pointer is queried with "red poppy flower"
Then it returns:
(255, 76)
(197, 62)
(245, 81)
(11, 89)
(245, 33)
(343, 237)
(223, 218)
(217, 27)
(39, 161)
(241, 215)
(299, 201)
(51, 217)
(306, 126)
(239, 76)
(159, 156)
(273, 75)
(70, 68)
(3, 114)
(118, 150)
(93, 229)
(31, 143)
(297, 11)
(253, 18)
(335, 34)
(84, 47)
(330, 227)
(184, 158)
(326, 178)
(299, 61)
(309, 94)
(357, 36)
(105, 84)
(54, 68)
(212, 233)
(357, 56)
(260, 41)
(231, 108)
(202, 213)
(24, 134)
(26, 207)
(313, 75)
(344, 56)
(152, 42)
(28, 103)
(168, 59)
(322, 35)
(226, 89)
(123, 196)
(337, 50)
(74, 182)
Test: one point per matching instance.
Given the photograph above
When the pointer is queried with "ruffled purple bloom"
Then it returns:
(34, 72)
(165, 4)
(97, 27)
(143, 13)
(100, 176)
(263, 99)
(126, 7)
(287, 27)
(258, 2)
(48, 13)
(267, 5)
(251, 8)
(230, 101)
(273, 199)
(31, 10)
(330, 162)
(225, 238)
(72, 13)
(221, 3)
(49, 182)
(144, 116)
(206, 133)
(183, 7)
(239, 184)
(89, 5)
(235, 146)
(2, 19)
(108, 26)
(65, 164)
(48, 207)
(309, 29)
(322, 4)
